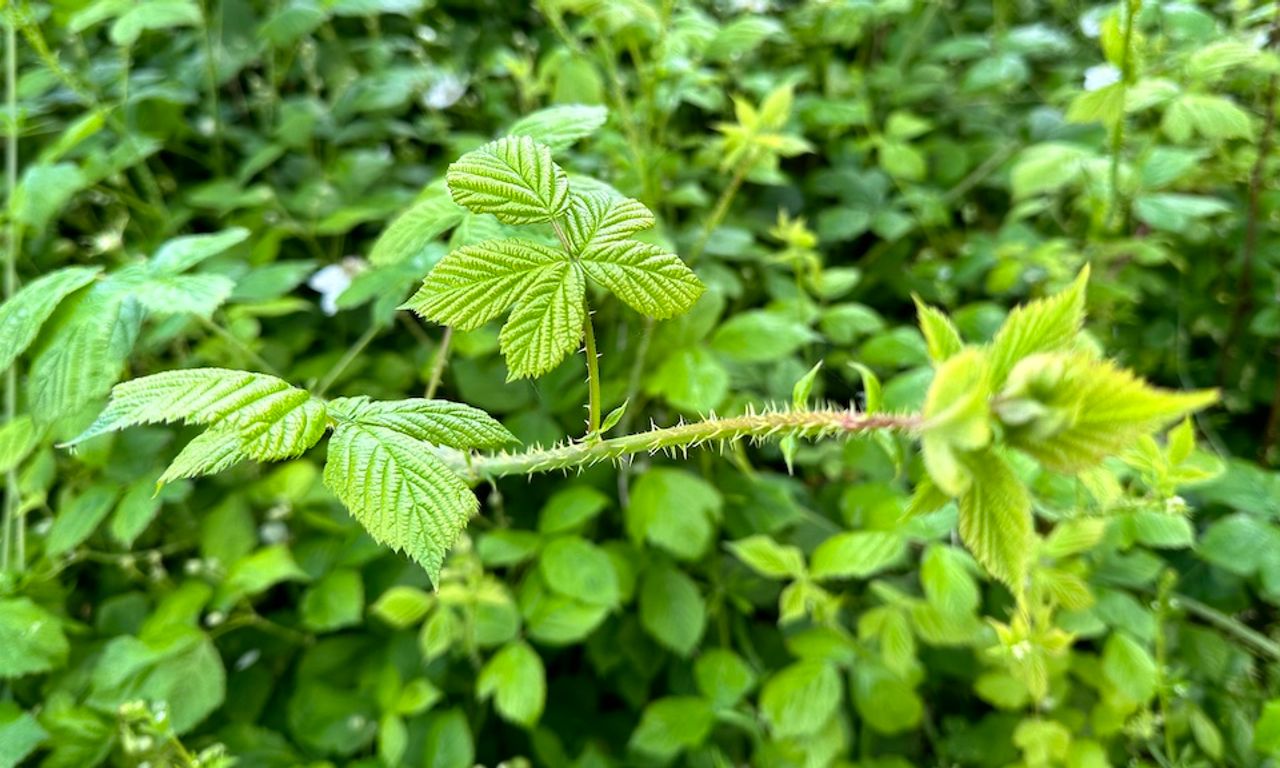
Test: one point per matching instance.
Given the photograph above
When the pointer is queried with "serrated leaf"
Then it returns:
(547, 322)
(208, 453)
(940, 334)
(22, 316)
(439, 422)
(476, 283)
(429, 217)
(404, 496)
(560, 126)
(1110, 410)
(650, 280)
(1044, 325)
(193, 396)
(596, 221)
(514, 179)
(995, 519)
(957, 419)
(89, 343)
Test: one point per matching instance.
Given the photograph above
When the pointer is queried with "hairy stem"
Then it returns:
(593, 374)
(439, 361)
(756, 426)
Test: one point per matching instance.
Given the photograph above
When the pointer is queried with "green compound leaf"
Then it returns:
(995, 519)
(1045, 325)
(439, 422)
(403, 495)
(474, 284)
(650, 280)
(546, 324)
(514, 179)
(22, 315)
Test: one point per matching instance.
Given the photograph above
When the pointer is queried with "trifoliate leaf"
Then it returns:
(940, 333)
(1045, 325)
(403, 495)
(26, 311)
(514, 179)
(475, 284)
(547, 322)
(439, 422)
(650, 280)
(995, 519)
(560, 126)
(596, 221)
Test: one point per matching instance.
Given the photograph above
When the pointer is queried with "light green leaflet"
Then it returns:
(382, 461)
(544, 287)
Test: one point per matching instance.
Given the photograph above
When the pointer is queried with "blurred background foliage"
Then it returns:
(817, 162)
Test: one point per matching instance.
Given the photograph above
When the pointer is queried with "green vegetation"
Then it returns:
(819, 383)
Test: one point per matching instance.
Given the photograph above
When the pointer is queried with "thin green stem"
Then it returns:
(680, 438)
(347, 358)
(722, 206)
(1247, 635)
(211, 76)
(1117, 131)
(1167, 582)
(235, 342)
(439, 362)
(12, 525)
(593, 373)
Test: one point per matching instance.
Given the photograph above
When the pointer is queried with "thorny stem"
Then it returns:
(438, 362)
(593, 373)
(12, 525)
(593, 359)
(756, 426)
(1244, 284)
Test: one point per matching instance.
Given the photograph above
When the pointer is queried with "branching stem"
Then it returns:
(755, 426)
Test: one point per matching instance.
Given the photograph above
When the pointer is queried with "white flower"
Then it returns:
(332, 280)
(1091, 22)
(445, 92)
(1100, 77)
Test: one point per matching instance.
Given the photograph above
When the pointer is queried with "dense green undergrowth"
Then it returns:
(868, 383)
